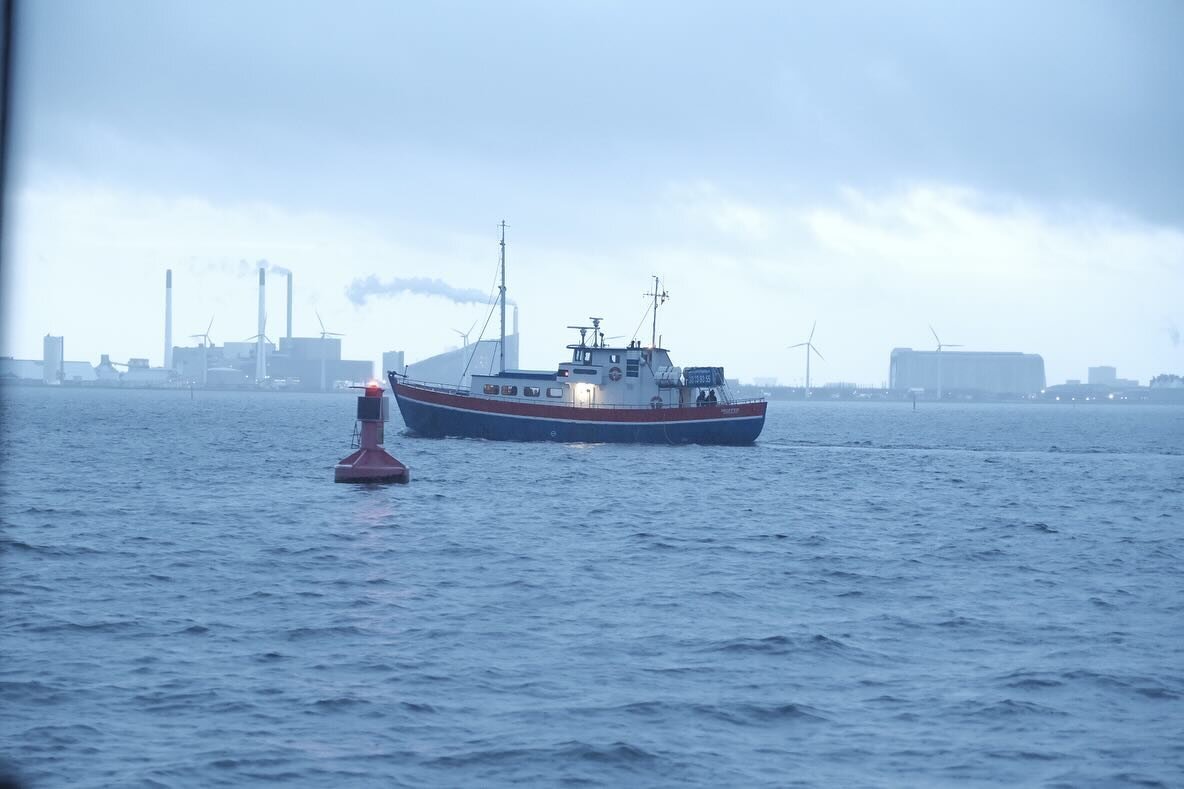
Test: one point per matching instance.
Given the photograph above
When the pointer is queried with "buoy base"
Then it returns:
(371, 465)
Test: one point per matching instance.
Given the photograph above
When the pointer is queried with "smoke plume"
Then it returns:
(363, 288)
(241, 268)
(272, 268)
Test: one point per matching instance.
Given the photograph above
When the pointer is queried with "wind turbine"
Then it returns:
(466, 354)
(940, 345)
(260, 352)
(205, 349)
(465, 334)
(809, 346)
(324, 335)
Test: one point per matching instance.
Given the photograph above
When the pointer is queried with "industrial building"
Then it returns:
(304, 363)
(392, 361)
(315, 364)
(943, 372)
(52, 368)
(455, 367)
(1108, 376)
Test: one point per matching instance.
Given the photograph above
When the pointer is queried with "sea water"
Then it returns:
(869, 596)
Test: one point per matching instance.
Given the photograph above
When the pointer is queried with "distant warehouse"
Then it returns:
(955, 371)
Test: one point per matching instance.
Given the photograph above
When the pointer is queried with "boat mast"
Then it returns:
(502, 344)
(657, 294)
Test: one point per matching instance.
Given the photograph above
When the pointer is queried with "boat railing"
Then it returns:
(455, 390)
(435, 386)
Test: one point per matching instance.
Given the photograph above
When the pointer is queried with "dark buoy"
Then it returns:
(371, 463)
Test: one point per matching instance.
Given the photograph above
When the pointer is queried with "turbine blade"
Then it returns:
(815, 350)
(812, 328)
(935, 335)
(319, 320)
(799, 345)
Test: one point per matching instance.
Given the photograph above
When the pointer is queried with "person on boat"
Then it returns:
(701, 399)
(711, 397)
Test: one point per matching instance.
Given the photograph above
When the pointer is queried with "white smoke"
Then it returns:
(271, 268)
(364, 287)
(241, 268)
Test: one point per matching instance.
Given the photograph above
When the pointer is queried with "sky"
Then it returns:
(1008, 172)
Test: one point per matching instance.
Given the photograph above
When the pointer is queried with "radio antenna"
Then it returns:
(660, 297)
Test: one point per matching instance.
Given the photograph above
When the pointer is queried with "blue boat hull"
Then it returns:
(439, 420)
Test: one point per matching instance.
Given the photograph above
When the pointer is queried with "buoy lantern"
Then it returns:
(371, 463)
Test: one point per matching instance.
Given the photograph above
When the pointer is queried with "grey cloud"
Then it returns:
(1058, 100)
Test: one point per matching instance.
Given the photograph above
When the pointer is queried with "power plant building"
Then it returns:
(53, 359)
(966, 371)
(315, 364)
(393, 361)
(454, 368)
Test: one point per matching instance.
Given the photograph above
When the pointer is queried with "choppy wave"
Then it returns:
(869, 596)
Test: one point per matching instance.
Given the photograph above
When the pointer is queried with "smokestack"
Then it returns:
(289, 335)
(168, 319)
(260, 363)
(515, 320)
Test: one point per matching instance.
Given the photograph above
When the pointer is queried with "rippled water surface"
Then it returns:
(869, 596)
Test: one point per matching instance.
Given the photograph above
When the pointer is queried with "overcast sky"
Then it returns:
(1009, 172)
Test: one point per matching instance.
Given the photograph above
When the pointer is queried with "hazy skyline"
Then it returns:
(1010, 174)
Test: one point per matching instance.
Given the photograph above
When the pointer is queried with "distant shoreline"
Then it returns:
(1058, 395)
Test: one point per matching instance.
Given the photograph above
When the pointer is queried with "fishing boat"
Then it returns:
(601, 393)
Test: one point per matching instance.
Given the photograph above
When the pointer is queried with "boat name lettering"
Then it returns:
(729, 410)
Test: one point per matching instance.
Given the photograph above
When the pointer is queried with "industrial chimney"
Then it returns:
(168, 319)
(289, 334)
(260, 361)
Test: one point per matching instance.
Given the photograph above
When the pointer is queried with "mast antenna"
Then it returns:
(657, 294)
(502, 344)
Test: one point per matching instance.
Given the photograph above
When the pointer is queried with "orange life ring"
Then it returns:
(615, 374)
(655, 402)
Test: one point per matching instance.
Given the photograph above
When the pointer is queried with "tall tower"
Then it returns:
(260, 347)
(168, 319)
(289, 334)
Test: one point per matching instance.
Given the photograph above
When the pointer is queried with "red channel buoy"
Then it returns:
(371, 463)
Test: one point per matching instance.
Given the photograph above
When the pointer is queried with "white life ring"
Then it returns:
(655, 402)
(615, 374)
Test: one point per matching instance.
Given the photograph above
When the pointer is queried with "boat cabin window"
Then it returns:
(632, 368)
(554, 391)
(531, 391)
(587, 357)
(614, 358)
(510, 391)
(490, 389)
(587, 371)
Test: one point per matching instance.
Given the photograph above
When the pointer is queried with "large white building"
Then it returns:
(966, 371)
(456, 367)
